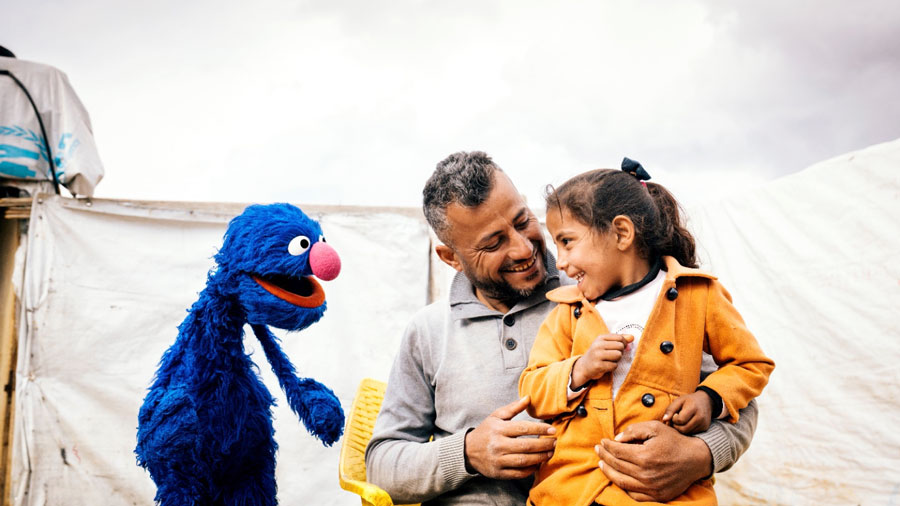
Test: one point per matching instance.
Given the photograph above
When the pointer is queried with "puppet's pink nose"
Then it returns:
(324, 261)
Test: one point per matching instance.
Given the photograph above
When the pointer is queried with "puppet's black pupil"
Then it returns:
(301, 286)
(304, 243)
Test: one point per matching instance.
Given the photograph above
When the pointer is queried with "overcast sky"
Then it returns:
(354, 102)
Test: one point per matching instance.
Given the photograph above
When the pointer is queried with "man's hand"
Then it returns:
(495, 450)
(600, 358)
(691, 413)
(653, 462)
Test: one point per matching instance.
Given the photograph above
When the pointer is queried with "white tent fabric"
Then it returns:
(813, 263)
(812, 260)
(105, 286)
(23, 155)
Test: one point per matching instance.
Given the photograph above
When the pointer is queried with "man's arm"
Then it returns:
(400, 458)
(654, 462)
(728, 441)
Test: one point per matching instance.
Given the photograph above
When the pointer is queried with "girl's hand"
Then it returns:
(601, 357)
(690, 413)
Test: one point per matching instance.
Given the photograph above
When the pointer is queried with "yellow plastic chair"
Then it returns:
(352, 465)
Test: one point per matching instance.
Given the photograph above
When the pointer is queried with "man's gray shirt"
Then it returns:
(459, 360)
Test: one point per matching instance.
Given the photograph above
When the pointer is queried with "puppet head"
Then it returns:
(267, 263)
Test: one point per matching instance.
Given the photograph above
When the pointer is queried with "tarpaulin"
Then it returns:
(812, 261)
(107, 282)
(23, 152)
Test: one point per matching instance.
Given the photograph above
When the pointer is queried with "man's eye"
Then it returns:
(492, 247)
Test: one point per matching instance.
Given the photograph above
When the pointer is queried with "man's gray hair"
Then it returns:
(464, 178)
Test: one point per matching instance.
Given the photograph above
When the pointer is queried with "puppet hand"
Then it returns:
(319, 410)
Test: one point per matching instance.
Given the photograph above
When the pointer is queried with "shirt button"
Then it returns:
(509, 320)
(511, 344)
(666, 347)
(577, 312)
(581, 410)
(672, 293)
(648, 400)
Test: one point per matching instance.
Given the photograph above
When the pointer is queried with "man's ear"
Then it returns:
(448, 256)
(624, 230)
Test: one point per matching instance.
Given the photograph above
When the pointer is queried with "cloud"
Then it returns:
(349, 102)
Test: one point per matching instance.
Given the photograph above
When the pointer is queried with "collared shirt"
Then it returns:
(459, 361)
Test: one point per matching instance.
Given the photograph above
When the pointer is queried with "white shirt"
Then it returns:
(628, 315)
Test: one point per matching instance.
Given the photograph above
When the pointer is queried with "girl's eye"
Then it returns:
(298, 245)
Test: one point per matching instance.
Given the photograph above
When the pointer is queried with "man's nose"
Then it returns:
(522, 247)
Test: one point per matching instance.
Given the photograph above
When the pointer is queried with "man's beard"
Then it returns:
(501, 289)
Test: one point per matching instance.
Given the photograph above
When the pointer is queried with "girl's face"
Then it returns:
(584, 254)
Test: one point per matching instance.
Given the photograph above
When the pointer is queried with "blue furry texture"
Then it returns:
(205, 429)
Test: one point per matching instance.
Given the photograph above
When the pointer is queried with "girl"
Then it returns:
(622, 240)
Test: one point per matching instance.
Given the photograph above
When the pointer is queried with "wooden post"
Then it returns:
(9, 242)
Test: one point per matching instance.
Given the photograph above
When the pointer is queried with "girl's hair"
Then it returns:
(596, 197)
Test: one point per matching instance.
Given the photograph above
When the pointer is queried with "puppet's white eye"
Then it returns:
(298, 245)
(321, 238)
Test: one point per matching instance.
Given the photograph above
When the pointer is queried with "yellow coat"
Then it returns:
(700, 318)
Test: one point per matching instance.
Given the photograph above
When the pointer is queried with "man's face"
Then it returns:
(498, 245)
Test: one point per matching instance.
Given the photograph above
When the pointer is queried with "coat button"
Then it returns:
(509, 320)
(581, 410)
(511, 344)
(672, 293)
(667, 347)
(648, 400)
(577, 312)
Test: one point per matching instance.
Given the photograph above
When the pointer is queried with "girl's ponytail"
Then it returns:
(597, 196)
(672, 238)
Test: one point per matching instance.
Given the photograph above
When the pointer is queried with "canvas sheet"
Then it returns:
(812, 261)
(105, 287)
(23, 154)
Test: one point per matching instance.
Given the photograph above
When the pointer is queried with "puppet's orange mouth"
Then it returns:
(303, 292)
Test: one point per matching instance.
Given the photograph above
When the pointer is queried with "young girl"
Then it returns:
(625, 344)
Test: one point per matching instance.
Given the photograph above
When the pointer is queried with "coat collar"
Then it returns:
(570, 294)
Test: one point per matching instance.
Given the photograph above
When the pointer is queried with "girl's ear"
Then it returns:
(448, 256)
(623, 227)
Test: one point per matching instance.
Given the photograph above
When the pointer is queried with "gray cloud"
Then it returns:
(186, 97)
(826, 75)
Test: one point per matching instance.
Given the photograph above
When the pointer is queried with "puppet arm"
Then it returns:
(316, 405)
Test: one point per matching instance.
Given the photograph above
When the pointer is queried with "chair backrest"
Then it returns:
(352, 465)
(359, 429)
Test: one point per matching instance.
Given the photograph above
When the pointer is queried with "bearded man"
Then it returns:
(452, 429)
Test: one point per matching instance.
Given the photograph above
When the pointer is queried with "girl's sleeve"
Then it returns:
(743, 367)
(546, 378)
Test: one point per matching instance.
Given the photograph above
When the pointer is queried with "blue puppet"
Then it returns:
(205, 429)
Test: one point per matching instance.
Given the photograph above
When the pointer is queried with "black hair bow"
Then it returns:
(635, 169)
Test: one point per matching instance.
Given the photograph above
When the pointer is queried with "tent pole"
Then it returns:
(9, 241)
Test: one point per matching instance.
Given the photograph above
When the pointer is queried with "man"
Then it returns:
(451, 430)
